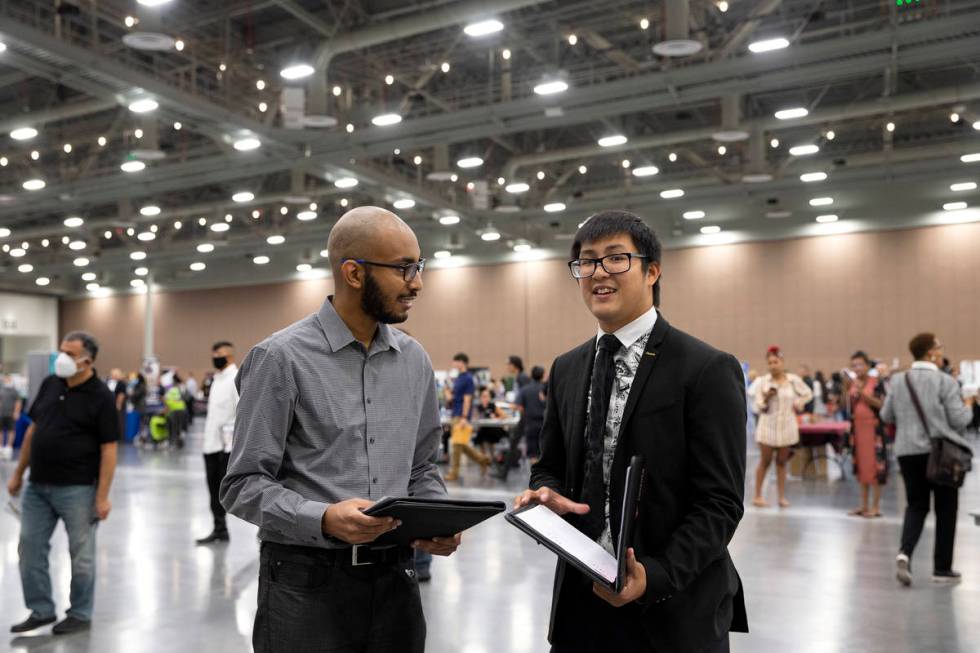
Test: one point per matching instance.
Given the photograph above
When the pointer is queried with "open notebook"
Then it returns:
(576, 548)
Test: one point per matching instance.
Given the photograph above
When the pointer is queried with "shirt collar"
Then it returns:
(635, 330)
(925, 365)
(231, 370)
(339, 335)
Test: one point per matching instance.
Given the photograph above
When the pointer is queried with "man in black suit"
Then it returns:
(642, 387)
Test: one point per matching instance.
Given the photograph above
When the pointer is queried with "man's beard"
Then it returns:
(373, 303)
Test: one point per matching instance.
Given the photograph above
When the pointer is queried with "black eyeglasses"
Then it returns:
(583, 268)
(409, 270)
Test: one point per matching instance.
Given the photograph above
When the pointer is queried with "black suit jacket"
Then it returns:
(685, 414)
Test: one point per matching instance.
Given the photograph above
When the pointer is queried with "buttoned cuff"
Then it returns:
(309, 520)
(659, 587)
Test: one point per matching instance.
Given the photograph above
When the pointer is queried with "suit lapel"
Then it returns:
(647, 363)
(575, 436)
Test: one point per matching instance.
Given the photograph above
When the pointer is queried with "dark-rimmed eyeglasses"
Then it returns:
(409, 270)
(583, 268)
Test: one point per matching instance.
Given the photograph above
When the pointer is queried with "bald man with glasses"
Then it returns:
(337, 411)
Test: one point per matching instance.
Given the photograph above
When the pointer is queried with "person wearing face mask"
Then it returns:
(337, 411)
(70, 449)
(218, 428)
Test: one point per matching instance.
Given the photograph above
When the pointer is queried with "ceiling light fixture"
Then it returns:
(296, 71)
(693, 215)
(810, 177)
(304, 267)
(645, 171)
(830, 217)
(963, 186)
(80, 262)
(197, 266)
(247, 144)
(554, 207)
(73, 222)
(150, 211)
(138, 255)
(804, 150)
(954, 206)
(24, 268)
(260, 260)
(971, 158)
(386, 119)
(141, 272)
(483, 28)
(672, 193)
(448, 220)
(490, 235)
(306, 216)
(42, 281)
(768, 45)
(517, 187)
(220, 227)
(346, 182)
(205, 248)
(551, 87)
(23, 133)
(470, 162)
(790, 114)
(243, 196)
(34, 184)
(132, 166)
(821, 201)
(710, 229)
(146, 236)
(143, 105)
(442, 253)
(89, 276)
(404, 203)
(612, 140)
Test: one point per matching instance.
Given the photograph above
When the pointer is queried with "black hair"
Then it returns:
(612, 223)
(462, 358)
(516, 362)
(221, 343)
(537, 373)
(860, 354)
(89, 344)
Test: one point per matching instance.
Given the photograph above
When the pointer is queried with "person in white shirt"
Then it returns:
(218, 429)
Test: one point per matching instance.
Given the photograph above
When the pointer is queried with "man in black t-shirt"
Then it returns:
(71, 450)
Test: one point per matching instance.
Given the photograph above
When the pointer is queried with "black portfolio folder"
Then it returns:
(423, 519)
(574, 547)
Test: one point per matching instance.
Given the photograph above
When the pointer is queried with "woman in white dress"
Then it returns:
(777, 397)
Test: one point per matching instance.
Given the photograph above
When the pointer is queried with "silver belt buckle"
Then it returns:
(353, 556)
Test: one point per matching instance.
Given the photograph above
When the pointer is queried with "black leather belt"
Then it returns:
(361, 555)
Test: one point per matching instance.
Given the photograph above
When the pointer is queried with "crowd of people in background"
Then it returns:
(884, 410)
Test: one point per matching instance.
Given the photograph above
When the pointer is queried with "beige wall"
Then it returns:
(819, 298)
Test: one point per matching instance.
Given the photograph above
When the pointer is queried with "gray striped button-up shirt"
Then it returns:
(321, 420)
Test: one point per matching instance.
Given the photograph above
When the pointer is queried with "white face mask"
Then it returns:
(65, 366)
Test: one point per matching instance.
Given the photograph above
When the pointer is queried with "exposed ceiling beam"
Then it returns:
(61, 112)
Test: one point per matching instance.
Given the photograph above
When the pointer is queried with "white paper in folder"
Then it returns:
(571, 540)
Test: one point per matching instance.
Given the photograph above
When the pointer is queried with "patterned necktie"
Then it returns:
(593, 484)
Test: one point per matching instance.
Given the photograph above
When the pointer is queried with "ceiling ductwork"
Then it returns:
(731, 117)
(677, 41)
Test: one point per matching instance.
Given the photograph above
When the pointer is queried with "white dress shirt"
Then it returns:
(222, 404)
(633, 337)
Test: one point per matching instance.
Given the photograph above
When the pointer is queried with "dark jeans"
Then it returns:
(917, 490)
(310, 601)
(215, 466)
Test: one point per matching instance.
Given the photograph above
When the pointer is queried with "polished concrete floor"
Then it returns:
(816, 580)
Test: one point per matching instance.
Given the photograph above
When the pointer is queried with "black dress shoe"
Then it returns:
(216, 536)
(71, 625)
(31, 623)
